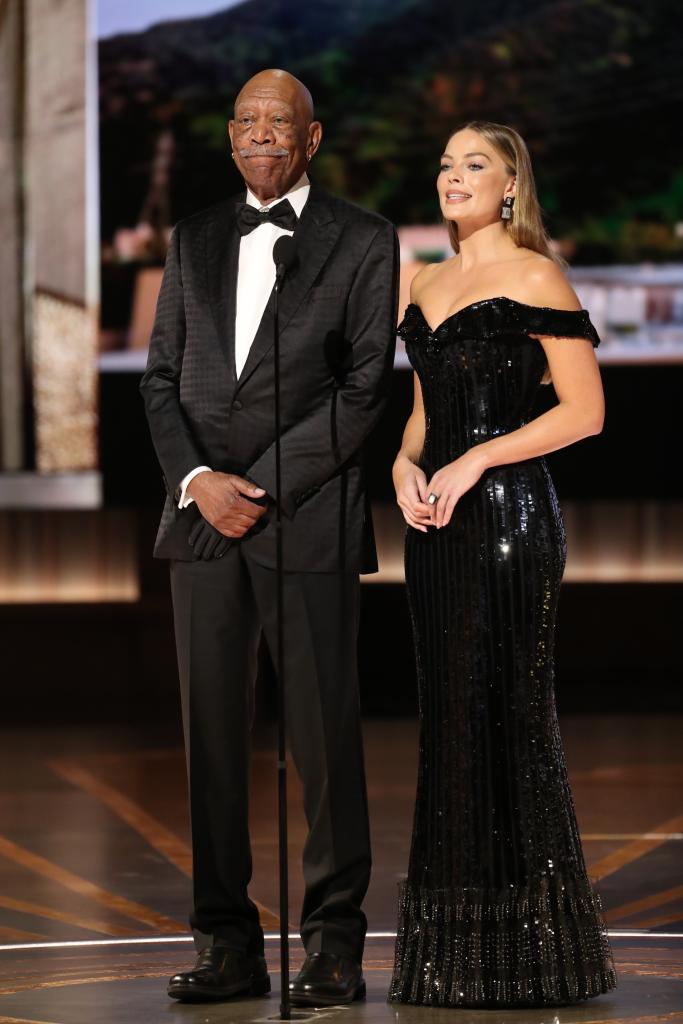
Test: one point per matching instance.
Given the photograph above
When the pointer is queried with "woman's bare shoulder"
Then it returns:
(544, 283)
(425, 276)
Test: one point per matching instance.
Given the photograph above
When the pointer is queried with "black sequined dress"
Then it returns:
(497, 908)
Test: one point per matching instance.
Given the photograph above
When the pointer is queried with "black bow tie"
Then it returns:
(282, 214)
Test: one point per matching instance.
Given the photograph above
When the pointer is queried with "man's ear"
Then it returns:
(315, 134)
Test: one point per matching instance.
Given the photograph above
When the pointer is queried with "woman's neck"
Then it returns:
(483, 245)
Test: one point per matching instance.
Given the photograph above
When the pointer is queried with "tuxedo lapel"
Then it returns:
(222, 261)
(315, 236)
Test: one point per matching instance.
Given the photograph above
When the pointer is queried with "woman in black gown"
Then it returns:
(497, 908)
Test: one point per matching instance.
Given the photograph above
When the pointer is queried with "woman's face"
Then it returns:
(473, 180)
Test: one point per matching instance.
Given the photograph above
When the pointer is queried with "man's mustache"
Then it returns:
(264, 151)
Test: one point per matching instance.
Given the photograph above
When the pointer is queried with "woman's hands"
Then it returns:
(449, 483)
(452, 481)
(411, 493)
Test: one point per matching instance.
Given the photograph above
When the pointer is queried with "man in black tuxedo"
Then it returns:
(208, 390)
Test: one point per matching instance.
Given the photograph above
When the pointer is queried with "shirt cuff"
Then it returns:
(184, 501)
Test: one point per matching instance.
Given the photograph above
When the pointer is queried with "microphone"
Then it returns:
(284, 257)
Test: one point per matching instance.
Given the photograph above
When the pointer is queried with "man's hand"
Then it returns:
(222, 500)
(206, 542)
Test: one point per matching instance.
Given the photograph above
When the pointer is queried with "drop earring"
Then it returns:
(506, 211)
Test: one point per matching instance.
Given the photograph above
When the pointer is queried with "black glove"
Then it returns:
(208, 542)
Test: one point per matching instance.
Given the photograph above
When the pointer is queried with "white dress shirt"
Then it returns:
(255, 280)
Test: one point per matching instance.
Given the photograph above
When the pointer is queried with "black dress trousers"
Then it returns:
(220, 608)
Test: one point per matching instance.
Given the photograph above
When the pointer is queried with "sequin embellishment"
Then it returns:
(497, 908)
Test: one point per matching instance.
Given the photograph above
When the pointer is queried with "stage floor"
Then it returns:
(95, 865)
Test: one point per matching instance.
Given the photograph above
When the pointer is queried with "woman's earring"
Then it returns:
(506, 211)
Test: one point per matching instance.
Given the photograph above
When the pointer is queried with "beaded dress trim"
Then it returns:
(537, 945)
(499, 316)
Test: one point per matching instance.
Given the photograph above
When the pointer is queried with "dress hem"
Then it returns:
(539, 945)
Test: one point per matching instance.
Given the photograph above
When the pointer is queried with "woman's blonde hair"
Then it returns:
(526, 224)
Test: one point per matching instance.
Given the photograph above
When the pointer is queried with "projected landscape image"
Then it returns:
(594, 88)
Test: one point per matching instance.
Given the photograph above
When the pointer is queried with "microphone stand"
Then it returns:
(285, 1006)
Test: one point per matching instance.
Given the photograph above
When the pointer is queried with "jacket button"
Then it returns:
(237, 405)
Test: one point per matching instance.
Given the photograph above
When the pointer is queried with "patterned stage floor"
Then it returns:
(94, 853)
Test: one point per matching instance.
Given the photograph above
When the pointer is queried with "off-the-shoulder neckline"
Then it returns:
(481, 302)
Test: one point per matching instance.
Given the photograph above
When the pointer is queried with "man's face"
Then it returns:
(272, 138)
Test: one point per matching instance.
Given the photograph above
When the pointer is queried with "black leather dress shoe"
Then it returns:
(221, 973)
(327, 980)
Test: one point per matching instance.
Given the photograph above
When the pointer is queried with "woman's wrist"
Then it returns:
(479, 456)
(402, 462)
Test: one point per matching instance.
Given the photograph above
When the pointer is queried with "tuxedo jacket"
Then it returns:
(337, 321)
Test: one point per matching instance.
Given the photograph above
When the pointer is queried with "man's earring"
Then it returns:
(506, 211)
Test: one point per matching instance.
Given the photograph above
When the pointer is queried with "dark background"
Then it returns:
(617, 646)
